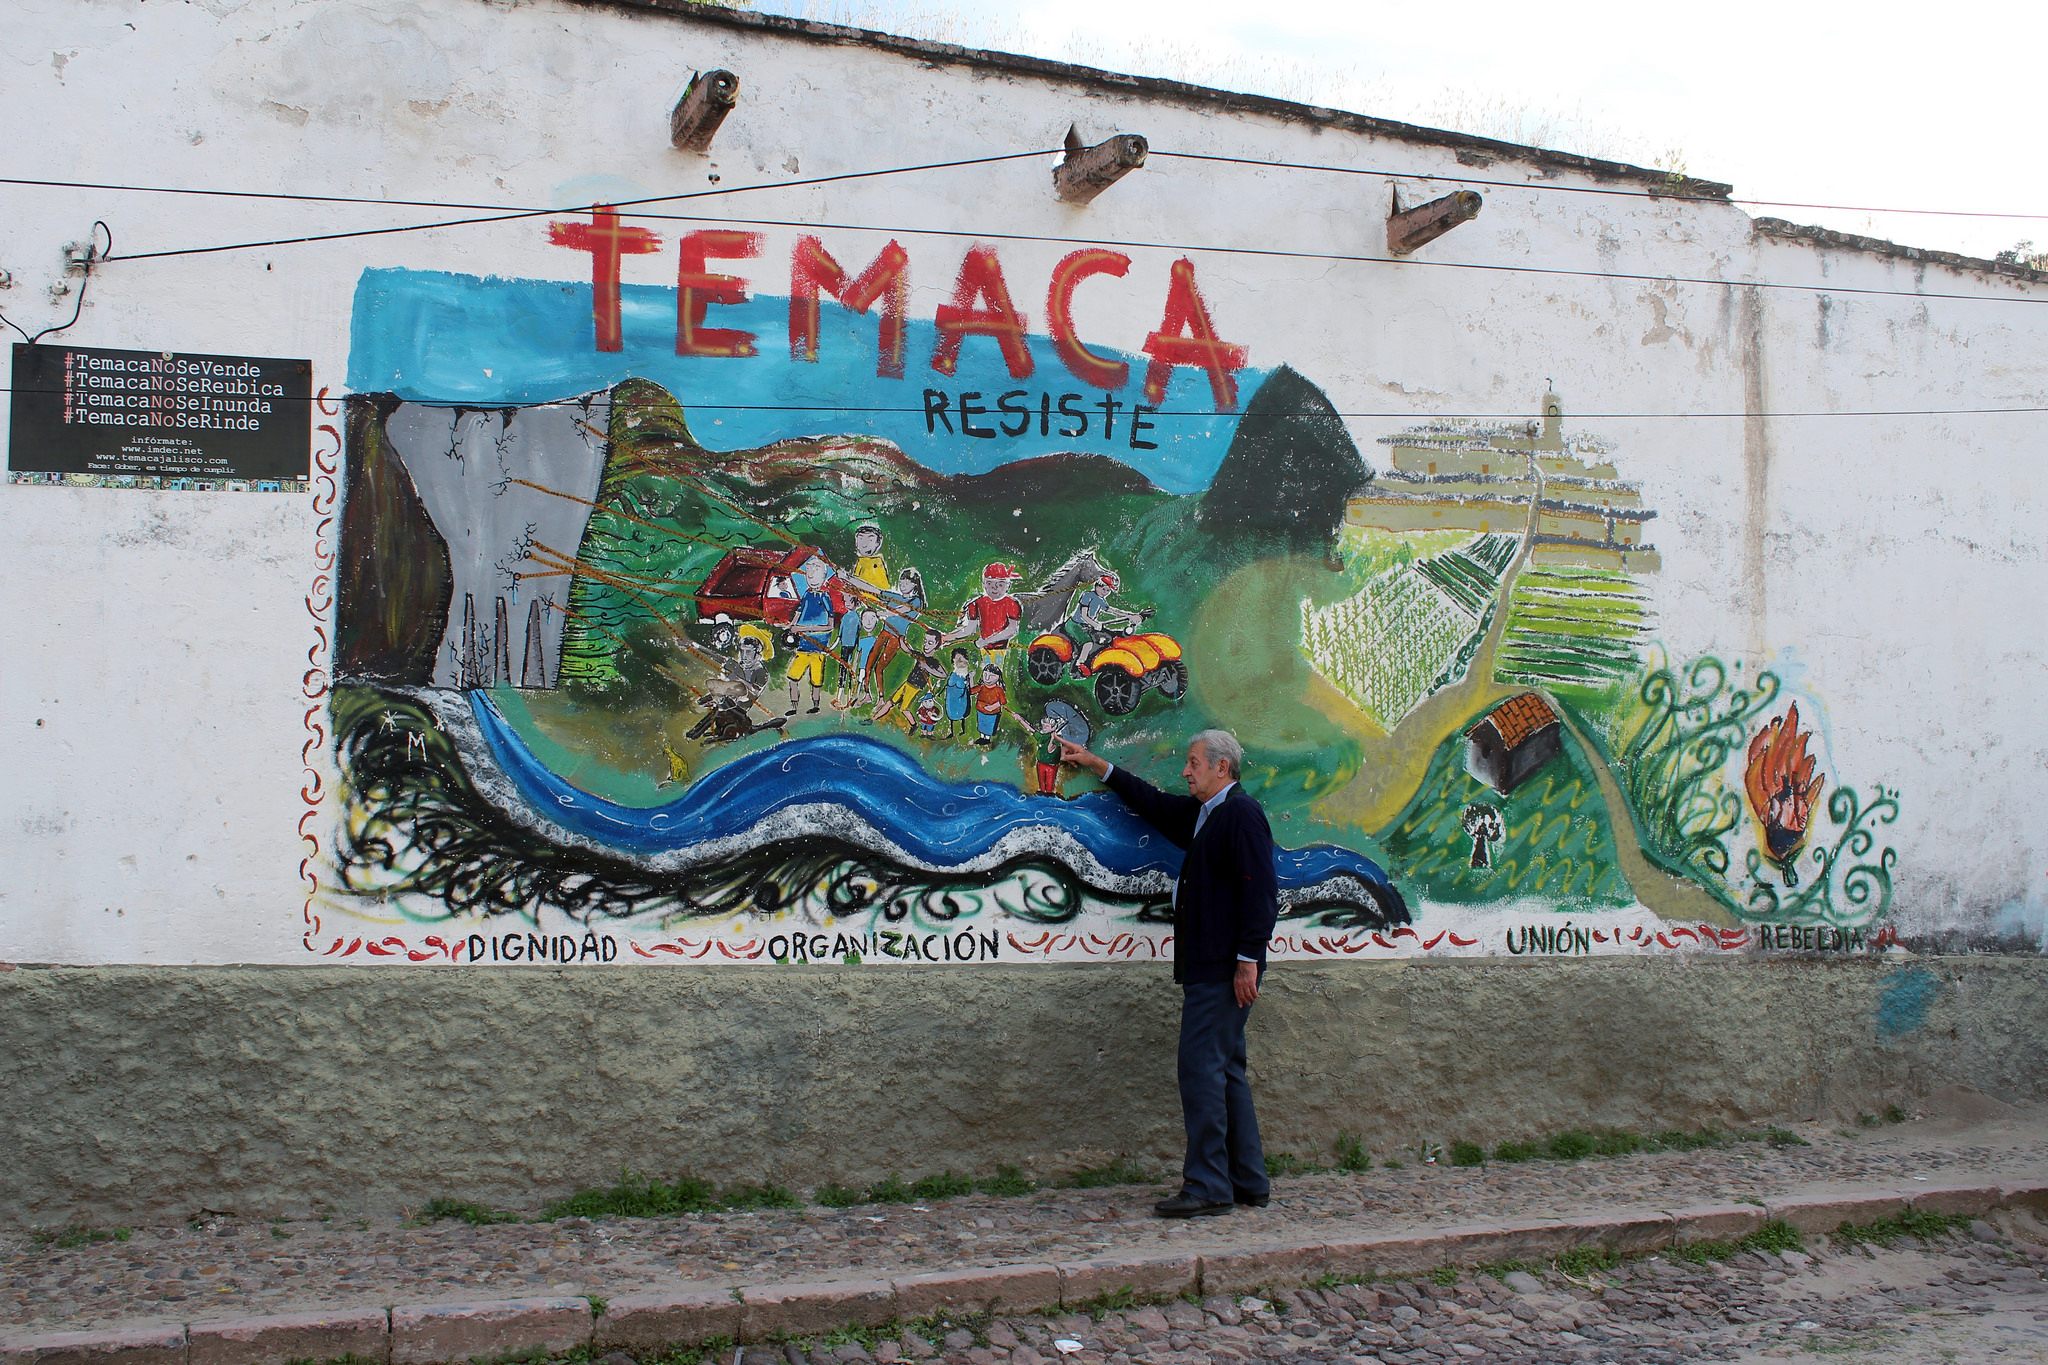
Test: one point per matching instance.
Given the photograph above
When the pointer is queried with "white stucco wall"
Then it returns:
(154, 646)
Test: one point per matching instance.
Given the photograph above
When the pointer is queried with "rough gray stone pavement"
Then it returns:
(226, 1267)
(1954, 1301)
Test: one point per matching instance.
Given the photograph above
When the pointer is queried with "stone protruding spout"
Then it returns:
(1088, 171)
(1408, 229)
(702, 108)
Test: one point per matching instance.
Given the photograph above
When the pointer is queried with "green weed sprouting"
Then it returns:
(66, 1239)
(1445, 1275)
(836, 1196)
(1287, 1163)
(1110, 1301)
(1467, 1154)
(1776, 1235)
(945, 1186)
(1573, 1145)
(746, 1196)
(474, 1214)
(1912, 1223)
(1583, 1261)
(1117, 1172)
(1351, 1153)
(636, 1196)
(1009, 1182)
(890, 1190)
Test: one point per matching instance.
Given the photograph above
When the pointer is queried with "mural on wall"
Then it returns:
(657, 642)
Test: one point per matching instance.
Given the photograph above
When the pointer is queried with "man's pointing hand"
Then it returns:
(1079, 756)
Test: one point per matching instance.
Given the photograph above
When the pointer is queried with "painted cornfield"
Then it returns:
(1386, 645)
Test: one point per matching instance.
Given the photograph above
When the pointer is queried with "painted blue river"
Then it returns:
(945, 824)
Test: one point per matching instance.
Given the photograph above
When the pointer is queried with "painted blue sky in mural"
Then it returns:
(434, 337)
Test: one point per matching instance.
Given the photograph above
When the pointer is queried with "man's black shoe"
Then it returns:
(1186, 1205)
(1254, 1201)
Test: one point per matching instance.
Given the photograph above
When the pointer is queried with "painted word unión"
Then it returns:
(1558, 938)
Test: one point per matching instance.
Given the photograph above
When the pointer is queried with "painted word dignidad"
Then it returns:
(981, 306)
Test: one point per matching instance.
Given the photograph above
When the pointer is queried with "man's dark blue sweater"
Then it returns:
(1228, 897)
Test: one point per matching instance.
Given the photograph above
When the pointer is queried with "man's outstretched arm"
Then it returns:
(1172, 816)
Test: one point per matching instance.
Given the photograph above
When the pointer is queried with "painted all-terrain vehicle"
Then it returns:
(1124, 669)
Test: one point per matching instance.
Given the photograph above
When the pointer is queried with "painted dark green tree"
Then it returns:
(1289, 471)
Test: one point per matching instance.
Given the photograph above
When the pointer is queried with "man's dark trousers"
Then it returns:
(1224, 906)
(1224, 1160)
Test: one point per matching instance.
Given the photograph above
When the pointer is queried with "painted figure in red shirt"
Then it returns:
(995, 617)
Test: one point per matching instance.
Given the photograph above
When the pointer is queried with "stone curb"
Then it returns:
(986, 1289)
(1974, 1200)
(1149, 1276)
(1818, 1215)
(806, 1309)
(1715, 1223)
(364, 1333)
(438, 1334)
(159, 1345)
(656, 1320)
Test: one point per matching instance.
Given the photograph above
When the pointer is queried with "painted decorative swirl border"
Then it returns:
(315, 683)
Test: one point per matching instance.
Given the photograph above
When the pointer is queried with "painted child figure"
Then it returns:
(988, 703)
(959, 689)
(924, 674)
(1049, 755)
(927, 715)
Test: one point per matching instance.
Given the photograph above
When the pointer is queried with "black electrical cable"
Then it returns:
(93, 256)
(1409, 416)
(1269, 252)
(1027, 237)
(513, 216)
(1676, 193)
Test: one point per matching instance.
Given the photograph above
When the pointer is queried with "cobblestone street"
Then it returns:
(1645, 1310)
(1959, 1300)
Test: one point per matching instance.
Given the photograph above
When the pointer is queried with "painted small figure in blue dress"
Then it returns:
(959, 691)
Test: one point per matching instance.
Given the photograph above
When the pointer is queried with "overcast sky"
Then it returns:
(1869, 106)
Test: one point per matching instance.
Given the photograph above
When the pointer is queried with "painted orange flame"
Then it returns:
(1781, 784)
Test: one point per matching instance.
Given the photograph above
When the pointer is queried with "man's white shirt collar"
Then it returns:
(1209, 806)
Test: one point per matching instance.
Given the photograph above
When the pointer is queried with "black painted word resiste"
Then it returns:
(160, 415)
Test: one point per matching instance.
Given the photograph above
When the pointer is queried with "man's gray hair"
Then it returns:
(1221, 744)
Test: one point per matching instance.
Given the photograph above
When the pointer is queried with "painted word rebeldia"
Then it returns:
(1811, 938)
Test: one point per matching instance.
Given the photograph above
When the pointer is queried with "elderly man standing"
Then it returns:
(1224, 908)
